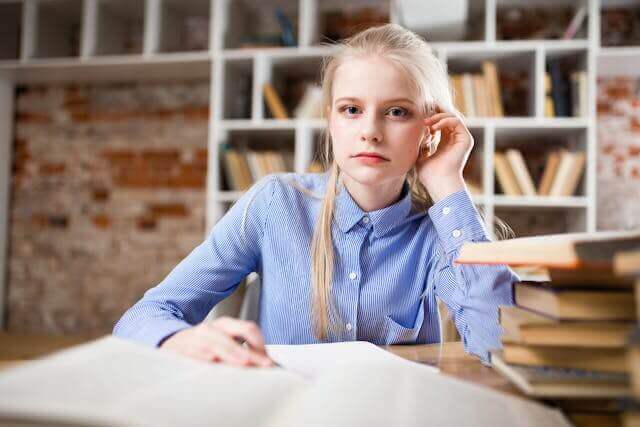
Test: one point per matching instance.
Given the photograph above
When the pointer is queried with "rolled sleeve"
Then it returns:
(457, 220)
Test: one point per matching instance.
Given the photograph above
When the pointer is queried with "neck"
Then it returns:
(373, 197)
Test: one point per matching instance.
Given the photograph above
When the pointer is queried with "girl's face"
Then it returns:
(374, 120)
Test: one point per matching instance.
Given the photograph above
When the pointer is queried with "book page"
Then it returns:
(111, 381)
(383, 393)
(312, 360)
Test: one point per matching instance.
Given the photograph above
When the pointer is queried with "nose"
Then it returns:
(370, 131)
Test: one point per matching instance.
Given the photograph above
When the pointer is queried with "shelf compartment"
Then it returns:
(337, 19)
(120, 27)
(516, 81)
(10, 30)
(540, 20)
(566, 87)
(619, 22)
(246, 156)
(58, 29)
(238, 90)
(291, 78)
(261, 24)
(184, 25)
(462, 21)
(536, 145)
(528, 220)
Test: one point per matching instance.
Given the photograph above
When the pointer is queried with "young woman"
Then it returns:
(359, 252)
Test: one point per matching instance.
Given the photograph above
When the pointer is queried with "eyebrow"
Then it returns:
(388, 101)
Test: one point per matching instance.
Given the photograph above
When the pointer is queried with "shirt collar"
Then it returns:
(348, 213)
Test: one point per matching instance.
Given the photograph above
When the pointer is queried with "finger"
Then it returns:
(245, 353)
(436, 117)
(228, 350)
(249, 331)
(448, 123)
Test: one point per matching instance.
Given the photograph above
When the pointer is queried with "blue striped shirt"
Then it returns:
(389, 267)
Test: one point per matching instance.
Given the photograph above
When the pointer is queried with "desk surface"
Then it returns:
(452, 360)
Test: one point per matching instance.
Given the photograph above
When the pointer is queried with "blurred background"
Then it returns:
(128, 127)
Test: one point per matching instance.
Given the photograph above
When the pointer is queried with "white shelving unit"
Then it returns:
(36, 49)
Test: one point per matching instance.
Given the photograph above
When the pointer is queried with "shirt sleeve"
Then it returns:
(210, 273)
(471, 292)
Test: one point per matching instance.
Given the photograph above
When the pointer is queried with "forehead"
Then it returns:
(375, 79)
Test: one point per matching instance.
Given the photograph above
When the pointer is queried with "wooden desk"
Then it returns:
(452, 360)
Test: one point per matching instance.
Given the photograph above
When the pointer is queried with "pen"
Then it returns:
(245, 343)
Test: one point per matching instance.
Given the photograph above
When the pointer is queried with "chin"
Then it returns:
(368, 176)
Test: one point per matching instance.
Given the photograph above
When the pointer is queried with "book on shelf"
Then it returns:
(549, 173)
(568, 173)
(505, 175)
(274, 102)
(549, 109)
(490, 73)
(310, 105)
(286, 28)
(523, 326)
(521, 172)
(575, 24)
(578, 85)
(575, 303)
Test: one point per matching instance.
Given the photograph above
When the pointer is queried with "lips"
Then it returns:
(371, 155)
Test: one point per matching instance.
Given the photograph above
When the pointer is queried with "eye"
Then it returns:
(350, 109)
(403, 112)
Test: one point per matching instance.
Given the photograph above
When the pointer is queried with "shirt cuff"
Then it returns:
(457, 220)
(156, 331)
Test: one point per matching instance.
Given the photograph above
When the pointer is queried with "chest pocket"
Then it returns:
(394, 332)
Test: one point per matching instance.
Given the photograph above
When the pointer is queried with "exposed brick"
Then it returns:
(52, 168)
(102, 221)
(168, 209)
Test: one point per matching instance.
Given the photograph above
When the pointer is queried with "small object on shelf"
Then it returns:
(438, 19)
(310, 106)
(287, 36)
(274, 102)
(576, 23)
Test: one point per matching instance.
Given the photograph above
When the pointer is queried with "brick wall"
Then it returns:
(108, 196)
(618, 153)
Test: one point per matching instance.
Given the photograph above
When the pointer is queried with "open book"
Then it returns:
(114, 382)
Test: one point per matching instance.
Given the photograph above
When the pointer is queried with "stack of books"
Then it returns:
(561, 176)
(567, 335)
(628, 264)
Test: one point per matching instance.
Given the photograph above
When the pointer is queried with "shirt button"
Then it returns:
(446, 210)
(353, 275)
(456, 233)
(348, 326)
(365, 219)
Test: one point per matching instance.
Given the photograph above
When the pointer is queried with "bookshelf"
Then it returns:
(130, 40)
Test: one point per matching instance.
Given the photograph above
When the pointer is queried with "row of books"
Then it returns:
(243, 167)
(565, 93)
(568, 335)
(561, 176)
(478, 95)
